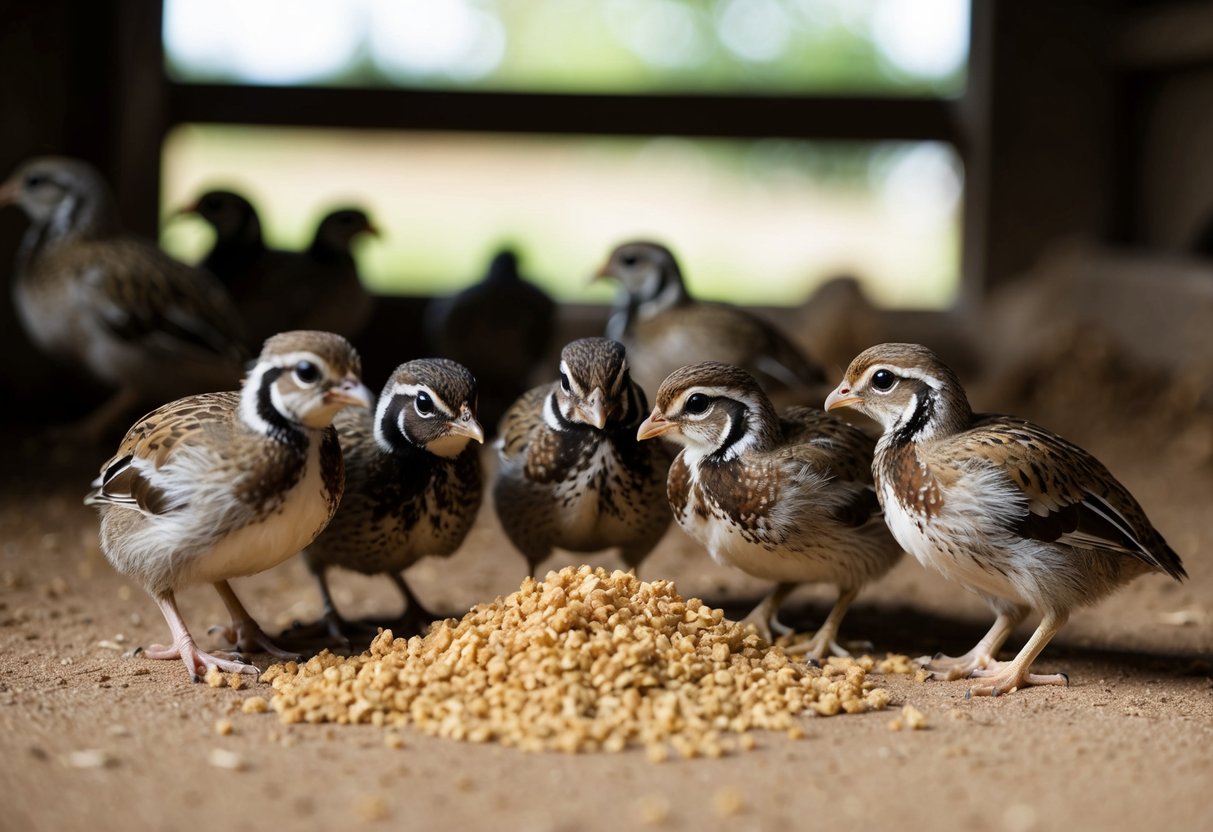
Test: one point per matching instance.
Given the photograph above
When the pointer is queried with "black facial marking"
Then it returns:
(281, 429)
(919, 419)
(739, 423)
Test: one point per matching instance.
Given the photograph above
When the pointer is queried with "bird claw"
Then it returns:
(1010, 680)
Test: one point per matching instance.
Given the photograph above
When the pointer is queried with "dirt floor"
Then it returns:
(1128, 745)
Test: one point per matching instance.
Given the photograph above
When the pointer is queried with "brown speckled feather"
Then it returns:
(575, 486)
(398, 507)
(1072, 497)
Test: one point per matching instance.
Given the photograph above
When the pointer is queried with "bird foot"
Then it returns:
(1008, 679)
(198, 662)
(816, 649)
(950, 668)
(248, 637)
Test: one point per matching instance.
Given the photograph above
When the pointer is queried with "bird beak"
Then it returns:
(655, 425)
(592, 411)
(9, 191)
(351, 392)
(604, 273)
(841, 397)
(466, 425)
(373, 230)
(184, 210)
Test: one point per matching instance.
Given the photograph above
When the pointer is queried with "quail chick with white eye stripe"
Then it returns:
(135, 318)
(412, 483)
(1002, 506)
(663, 327)
(572, 473)
(784, 498)
(222, 485)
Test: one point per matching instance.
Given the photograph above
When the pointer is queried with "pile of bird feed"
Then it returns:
(583, 660)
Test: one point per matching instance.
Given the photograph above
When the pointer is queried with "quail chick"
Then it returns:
(255, 275)
(329, 292)
(412, 482)
(501, 350)
(136, 319)
(788, 499)
(221, 485)
(277, 290)
(572, 473)
(1007, 509)
(664, 328)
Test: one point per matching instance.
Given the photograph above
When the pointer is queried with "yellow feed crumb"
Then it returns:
(583, 660)
(255, 705)
(914, 718)
(728, 802)
(654, 810)
(223, 727)
(214, 678)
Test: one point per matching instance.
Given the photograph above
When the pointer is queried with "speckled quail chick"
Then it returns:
(412, 486)
(664, 328)
(785, 498)
(221, 485)
(572, 473)
(1002, 506)
(116, 305)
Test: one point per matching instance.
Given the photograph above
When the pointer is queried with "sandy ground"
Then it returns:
(1128, 745)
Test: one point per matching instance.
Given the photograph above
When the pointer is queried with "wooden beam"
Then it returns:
(814, 117)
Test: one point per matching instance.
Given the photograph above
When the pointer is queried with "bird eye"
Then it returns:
(307, 372)
(883, 380)
(424, 405)
(697, 403)
(35, 180)
(564, 381)
(629, 260)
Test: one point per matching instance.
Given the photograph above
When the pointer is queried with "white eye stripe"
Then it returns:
(905, 372)
(413, 390)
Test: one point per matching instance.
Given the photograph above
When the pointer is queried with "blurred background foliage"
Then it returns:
(755, 221)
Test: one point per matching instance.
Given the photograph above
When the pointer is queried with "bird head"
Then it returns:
(231, 215)
(713, 410)
(645, 271)
(428, 403)
(595, 387)
(302, 378)
(67, 195)
(903, 387)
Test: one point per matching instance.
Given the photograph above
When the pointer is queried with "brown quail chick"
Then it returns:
(136, 319)
(1003, 507)
(664, 328)
(222, 485)
(412, 483)
(572, 474)
(788, 499)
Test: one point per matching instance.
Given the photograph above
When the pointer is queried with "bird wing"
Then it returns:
(1071, 497)
(693, 332)
(144, 296)
(839, 457)
(132, 476)
(521, 421)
